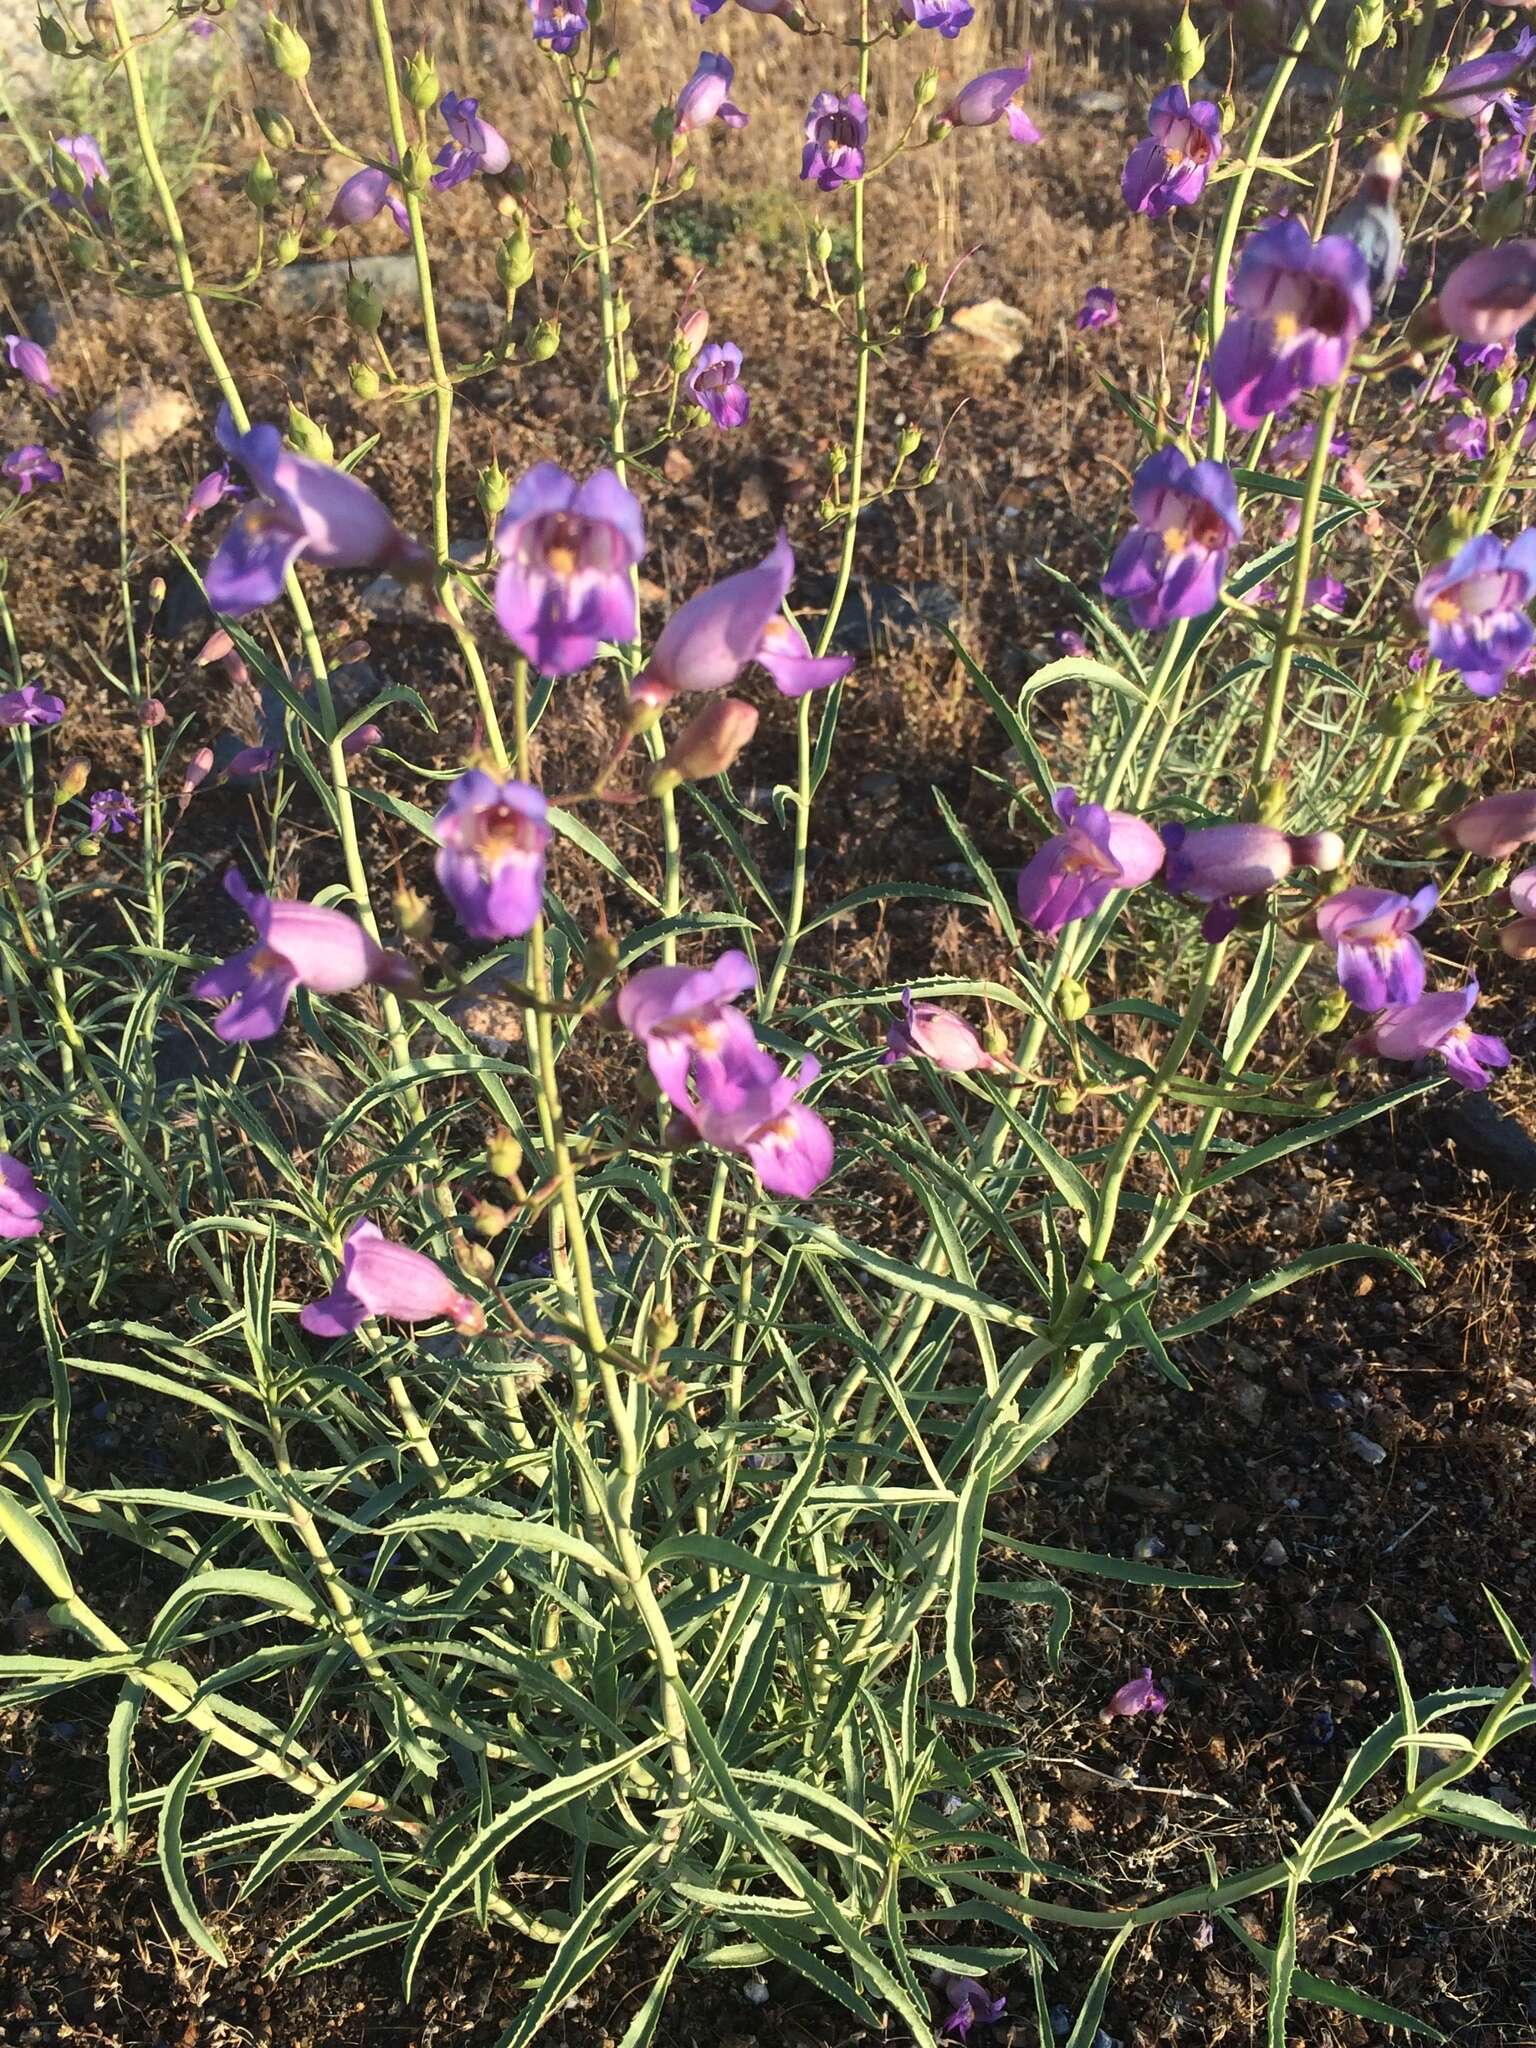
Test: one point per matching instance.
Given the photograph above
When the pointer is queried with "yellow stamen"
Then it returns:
(1174, 538)
(1287, 326)
(1444, 610)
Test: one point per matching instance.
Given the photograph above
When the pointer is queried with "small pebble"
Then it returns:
(755, 1991)
(1275, 1552)
(1061, 2022)
(1150, 1547)
(1366, 1448)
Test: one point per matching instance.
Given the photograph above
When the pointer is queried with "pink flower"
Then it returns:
(708, 641)
(1495, 826)
(941, 1036)
(707, 96)
(1223, 864)
(1490, 294)
(23, 1205)
(379, 1278)
(1369, 931)
(1437, 1024)
(1137, 1696)
(568, 553)
(1071, 875)
(992, 97)
(747, 1105)
(683, 1016)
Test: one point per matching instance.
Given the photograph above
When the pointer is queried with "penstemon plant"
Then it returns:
(595, 1477)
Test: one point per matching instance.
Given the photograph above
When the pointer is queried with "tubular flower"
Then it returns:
(567, 552)
(84, 152)
(23, 1205)
(707, 97)
(683, 1016)
(1490, 294)
(1223, 864)
(947, 16)
(379, 1278)
(29, 361)
(208, 491)
(29, 706)
(1300, 307)
(476, 149)
(1437, 1024)
(1171, 563)
(748, 1106)
(710, 639)
(1378, 962)
(1472, 90)
(1169, 166)
(836, 130)
(1137, 1696)
(30, 465)
(993, 96)
(1099, 851)
(365, 195)
(491, 842)
(560, 23)
(939, 1035)
(1495, 826)
(1474, 607)
(970, 2005)
(715, 382)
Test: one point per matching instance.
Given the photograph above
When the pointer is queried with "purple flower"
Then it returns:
(1368, 929)
(784, 9)
(715, 383)
(684, 1018)
(1486, 355)
(1071, 875)
(111, 810)
(31, 465)
(747, 1105)
(31, 361)
(250, 764)
(947, 16)
(379, 1278)
(706, 97)
(1471, 90)
(1474, 607)
(1504, 163)
(30, 706)
(1490, 294)
(991, 97)
(560, 23)
(364, 196)
(304, 508)
(1070, 641)
(970, 2005)
(1437, 1024)
(835, 133)
(1137, 1696)
(298, 945)
(1171, 563)
(1100, 308)
(708, 641)
(491, 839)
(567, 551)
(477, 148)
(1223, 864)
(939, 1035)
(84, 151)
(1169, 167)
(1296, 446)
(208, 491)
(1326, 594)
(23, 1205)
(1495, 826)
(1301, 306)
(1466, 436)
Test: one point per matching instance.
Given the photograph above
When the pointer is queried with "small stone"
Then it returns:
(1275, 1552)
(990, 331)
(387, 598)
(1098, 100)
(306, 287)
(139, 421)
(677, 467)
(1248, 1399)
(752, 500)
(1366, 1449)
(755, 1991)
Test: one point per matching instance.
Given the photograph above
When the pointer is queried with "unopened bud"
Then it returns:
(822, 244)
(360, 739)
(214, 648)
(663, 126)
(364, 380)
(309, 437)
(575, 219)
(1492, 879)
(514, 259)
(1502, 213)
(65, 172)
(1367, 23)
(916, 279)
(935, 319)
(276, 128)
(661, 1331)
(1065, 1099)
(89, 846)
(926, 89)
(261, 186)
(86, 252)
(837, 459)
(52, 34)
(827, 510)
(928, 474)
(909, 440)
(503, 1154)
(413, 914)
(286, 248)
(707, 744)
(493, 487)
(73, 777)
(365, 309)
(421, 86)
(1073, 1000)
(1324, 1013)
(196, 773)
(1186, 49)
(542, 341)
(1423, 793)
(488, 1219)
(99, 25)
(152, 712)
(1496, 399)
(687, 177)
(611, 65)
(286, 48)
(693, 331)
(560, 151)
(474, 1262)
(416, 169)
(155, 595)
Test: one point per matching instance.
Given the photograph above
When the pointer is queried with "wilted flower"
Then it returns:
(1368, 929)
(491, 840)
(1301, 306)
(715, 382)
(993, 97)
(1169, 167)
(1490, 294)
(947, 16)
(208, 491)
(1474, 608)
(939, 1035)
(706, 97)
(298, 945)
(1437, 1024)
(476, 148)
(836, 130)
(379, 1278)
(1495, 826)
(1369, 220)
(1472, 89)
(23, 1205)
(365, 195)
(560, 23)
(1171, 563)
(84, 152)
(30, 361)
(707, 744)
(305, 508)
(111, 810)
(1223, 864)
(29, 706)
(747, 1105)
(1071, 875)
(1100, 308)
(683, 1016)
(1137, 1696)
(970, 2005)
(567, 550)
(709, 640)
(31, 465)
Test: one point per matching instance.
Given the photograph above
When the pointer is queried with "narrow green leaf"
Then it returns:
(960, 1610)
(173, 1859)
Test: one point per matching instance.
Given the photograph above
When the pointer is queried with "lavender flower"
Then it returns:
(31, 465)
(1436, 1024)
(746, 1105)
(84, 152)
(715, 383)
(29, 361)
(947, 16)
(1224, 864)
(1100, 308)
(708, 641)
(1466, 436)
(1326, 593)
(23, 1205)
(111, 810)
(298, 945)
(683, 1016)
(836, 130)
(1169, 167)
(379, 1278)
(1377, 961)
(1490, 294)
(706, 97)
(365, 195)
(993, 97)
(786, 654)
(208, 491)
(304, 508)
(1474, 607)
(567, 550)
(970, 2005)
(1296, 447)
(30, 706)
(1137, 1696)
(1495, 827)
(491, 839)
(560, 23)
(477, 149)
(1471, 90)
(939, 1035)
(1301, 306)
(1171, 563)
(1071, 875)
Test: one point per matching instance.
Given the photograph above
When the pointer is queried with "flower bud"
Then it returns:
(928, 474)
(1073, 1000)
(152, 713)
(65, 172)
(493, 487)
(837, 459)
(421, 86)
(85, 252)
(503, 1154)
(99, 25)
(73, 777)
(822, 244)
(687, 177)
(52, 34)
(663, 126)
(600, 957)
(1367, 24)
(542, 341)
(827, 510)
(926, 89)
(286, 248)
(363, 379)
(196, 773)
(707, 744)
(1324, 1013)
(1065, 1099)
(286, 48)
(1502, 213)
(261, 186)
(514, 259)
(413, 914)
(661, 1331)
(935, 319)
(1186, 49)
(560, 151)
(276, 128)
(308, 436)
(361, 738)
(90, 846)
(909, 440)
(364, 307)
(1423, 793)
(1496, 399)
(214, 648)
(1492, 879)
(611, 65)
(416, 169)
(155, 595)
(474, 1262)
(916, 279)
(488, 1219)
